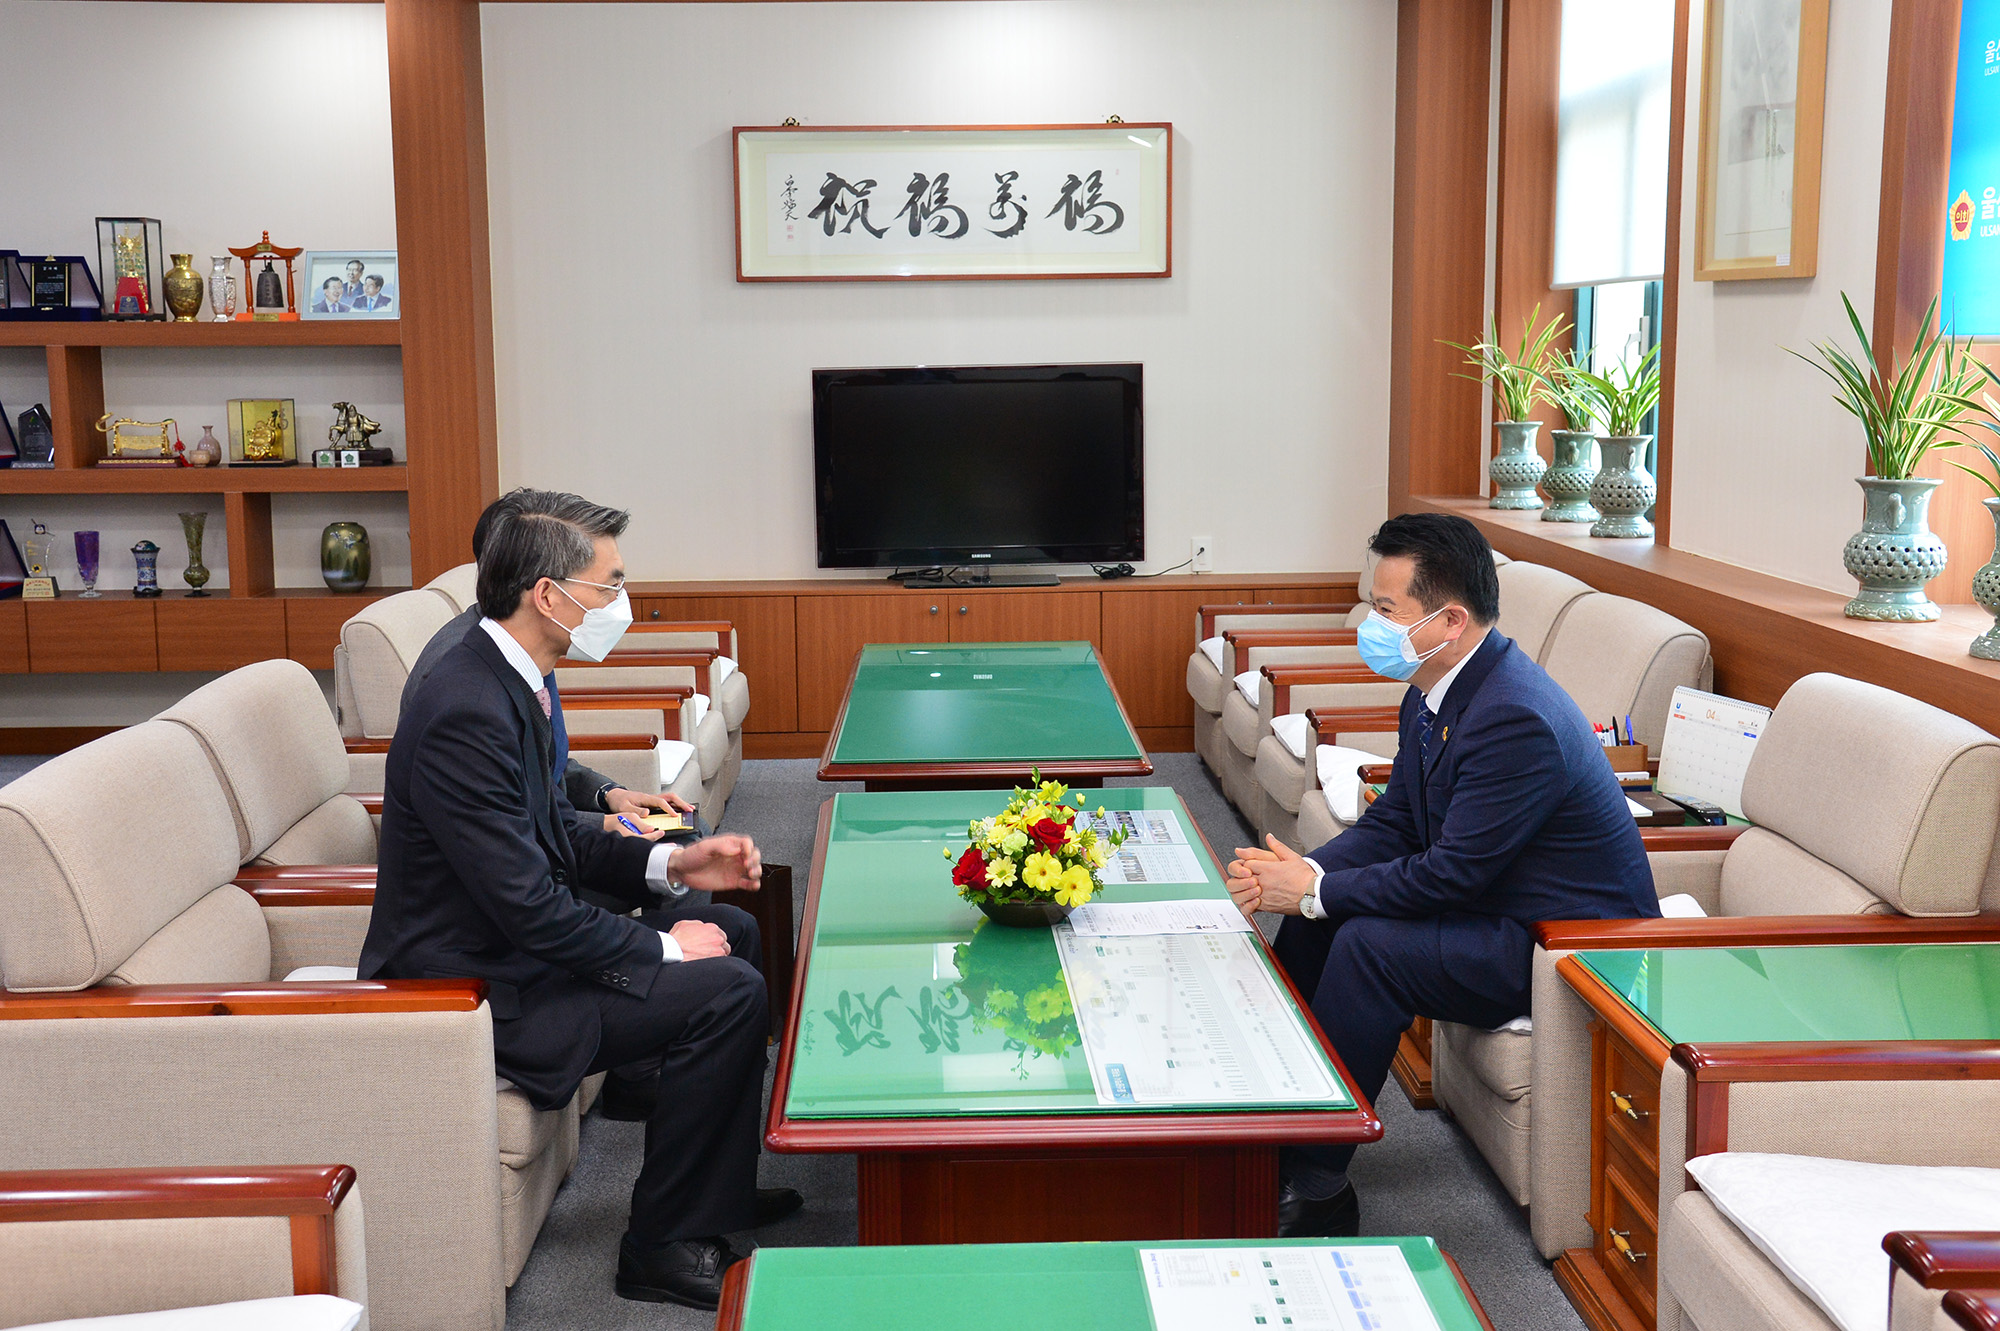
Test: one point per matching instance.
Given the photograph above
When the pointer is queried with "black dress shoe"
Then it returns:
(686, 1271)
(1335, 1217)
(774, 1204)
(628, 1101)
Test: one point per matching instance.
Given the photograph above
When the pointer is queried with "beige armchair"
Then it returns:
(95, 1243)
(1212, 668)
(200, 1054)
(1918, 843)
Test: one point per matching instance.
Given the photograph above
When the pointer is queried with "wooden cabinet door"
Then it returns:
(73, 635)
(218, 632)
(764, 640)
(13, 638)
(831, 629)
(1023, 616)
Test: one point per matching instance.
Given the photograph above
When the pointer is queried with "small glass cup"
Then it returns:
(86, 562)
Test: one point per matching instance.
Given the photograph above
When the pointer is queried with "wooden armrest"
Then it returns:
(1690, 838)
(1283, 678)
(1205, 615)
(1764, 930)
(274, 998)
(163, 1193)
(357, 745)
(1974, 1312)
(666, 700)
(721, 626)
(371, 803)
(265, 873)
(699, 659)
(312, 892)
(1248, 638)
(1374, 773)
(1947, 1259)
(621, 743)
(1860, 1060)
(1327, 722)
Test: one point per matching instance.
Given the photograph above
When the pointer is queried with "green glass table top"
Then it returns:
(915, 1004)
(1891, 991)
(982, 702)
(1010, 1287)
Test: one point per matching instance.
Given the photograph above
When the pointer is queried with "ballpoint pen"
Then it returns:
(631, 826)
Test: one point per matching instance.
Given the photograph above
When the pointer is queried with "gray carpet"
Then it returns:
(1424, 1177)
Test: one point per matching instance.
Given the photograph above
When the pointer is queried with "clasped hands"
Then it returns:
(714, 864)
(1273, 879)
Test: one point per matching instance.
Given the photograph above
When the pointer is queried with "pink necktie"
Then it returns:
(542, 697)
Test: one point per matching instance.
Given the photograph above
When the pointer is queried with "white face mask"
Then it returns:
(602, 627)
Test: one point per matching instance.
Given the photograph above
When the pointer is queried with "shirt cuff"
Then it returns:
(1319, 878)
(659, 874)
(670, 950)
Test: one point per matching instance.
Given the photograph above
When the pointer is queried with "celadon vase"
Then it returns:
(1895, 553)
(1986, 591)
(1517, 466)
(1567, 481)
(1623, 489)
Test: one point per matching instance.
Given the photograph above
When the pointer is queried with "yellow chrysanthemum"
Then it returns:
(1075, 888)
(1043, 872)
(1000, 872)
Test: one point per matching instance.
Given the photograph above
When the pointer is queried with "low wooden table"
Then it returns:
(1016, 1287)
(975, 1117)
(947, 716)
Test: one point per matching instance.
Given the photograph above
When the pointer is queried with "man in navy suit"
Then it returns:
(370, 296)
(330, 301)
(1501, 810)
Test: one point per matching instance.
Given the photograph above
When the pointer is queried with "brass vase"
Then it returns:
(183, 289)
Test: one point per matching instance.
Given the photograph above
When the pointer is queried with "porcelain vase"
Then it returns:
(218, 287)
(207, 450)
(344, 556)
(1624, 489)
(1567, 481)
(1986, 591)
(1517, 466)
(1024, 914)
(1895, 553)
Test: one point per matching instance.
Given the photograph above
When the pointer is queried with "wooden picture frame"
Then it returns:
(1760, 160)
(867, 203)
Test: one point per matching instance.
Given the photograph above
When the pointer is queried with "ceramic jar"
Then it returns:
(1895, 553)
(1568, 479)
(344, 556)
(183, 285)
(207, 450)
(1517, 466)
(146, 560)
(1624, 489)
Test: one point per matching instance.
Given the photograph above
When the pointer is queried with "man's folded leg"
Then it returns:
(632, 1089)
(1370, 978)
(706, 1022)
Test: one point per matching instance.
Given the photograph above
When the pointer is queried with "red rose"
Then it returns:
(1049, 833)
(970, 871)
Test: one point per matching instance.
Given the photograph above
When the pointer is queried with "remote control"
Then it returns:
(1701, 810)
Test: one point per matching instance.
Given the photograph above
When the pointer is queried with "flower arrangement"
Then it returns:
(1033, 852)
(1017, 991)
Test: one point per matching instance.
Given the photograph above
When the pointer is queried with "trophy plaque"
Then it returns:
(129, 254)
(41, 582)
(37, 440)
(57, 287)
(268, 299)
(13, 286)
(262, 432)
(13, 569)
(130, 443)
(10, 451)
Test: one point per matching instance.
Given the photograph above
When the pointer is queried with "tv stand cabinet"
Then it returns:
(975, 583)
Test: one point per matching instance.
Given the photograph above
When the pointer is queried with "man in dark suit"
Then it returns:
(330, 301)
(1501, 810)
(482, 863)
(370, 296)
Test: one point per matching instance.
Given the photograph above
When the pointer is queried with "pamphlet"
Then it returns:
(1347, 1287)
(1117, 919)
(1156, 850)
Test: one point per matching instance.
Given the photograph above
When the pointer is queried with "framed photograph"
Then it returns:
(350, 284)
(1763, 108)
(953, 203)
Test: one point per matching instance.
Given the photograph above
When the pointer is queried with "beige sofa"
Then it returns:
(1919, 844)
(203, 1056)
(122, 1243)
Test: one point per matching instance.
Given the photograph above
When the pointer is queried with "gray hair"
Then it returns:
(539, 534)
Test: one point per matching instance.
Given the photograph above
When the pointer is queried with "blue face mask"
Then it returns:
(1385, 645)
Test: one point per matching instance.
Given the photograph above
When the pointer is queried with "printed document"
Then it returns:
(1156, 850)
(1115, 919)
(1349, 1287)
(1190, 1020)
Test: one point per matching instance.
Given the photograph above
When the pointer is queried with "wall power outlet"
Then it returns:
(1203, 554)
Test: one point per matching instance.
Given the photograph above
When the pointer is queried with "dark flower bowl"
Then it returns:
(1024, 914)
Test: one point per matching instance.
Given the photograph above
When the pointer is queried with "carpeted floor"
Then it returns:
(1424, 1177)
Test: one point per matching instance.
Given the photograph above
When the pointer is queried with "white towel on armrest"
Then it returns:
(1212, 649)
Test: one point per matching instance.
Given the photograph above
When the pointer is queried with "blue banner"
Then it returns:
(1971, 296)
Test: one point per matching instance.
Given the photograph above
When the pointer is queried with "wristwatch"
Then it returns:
(602, 805)
(1309, 905)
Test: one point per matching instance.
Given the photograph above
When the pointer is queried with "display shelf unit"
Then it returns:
(203, 333)
(118, 632)
(300, 479)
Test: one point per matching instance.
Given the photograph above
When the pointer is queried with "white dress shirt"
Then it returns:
(1434, 704)
(659, 874)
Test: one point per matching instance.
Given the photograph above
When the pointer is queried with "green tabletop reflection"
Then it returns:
(1898, 991)
(982, 702)
(1005, 1287)
(915, 1004)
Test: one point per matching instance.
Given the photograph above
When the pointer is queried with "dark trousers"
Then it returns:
(738, 926)
(1366, 978)
(705, 1025)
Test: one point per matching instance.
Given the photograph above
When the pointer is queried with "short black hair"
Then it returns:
(538, 534)
(1452, 562)
(331, 282)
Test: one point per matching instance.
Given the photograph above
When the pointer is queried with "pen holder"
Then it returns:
(1627, 757)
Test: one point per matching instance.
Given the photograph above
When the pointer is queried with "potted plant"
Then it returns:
(1032, 863)
(1986, 582)
(1903, 415)
(1518, 385)
(1568, 479)
(1621, 398)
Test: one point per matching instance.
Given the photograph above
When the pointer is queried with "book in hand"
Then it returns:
(669, 822)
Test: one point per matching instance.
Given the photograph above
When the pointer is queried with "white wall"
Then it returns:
(1763, 460)
(632, 365)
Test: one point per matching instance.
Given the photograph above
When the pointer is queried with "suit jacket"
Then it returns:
(580, 783)
(1518, 814)
(321, 307)
(364, 303)
(480, 865)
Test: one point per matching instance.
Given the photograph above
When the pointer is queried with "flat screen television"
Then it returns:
(978, 466)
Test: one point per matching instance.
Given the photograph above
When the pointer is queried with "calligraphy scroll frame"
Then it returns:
(1139, 194)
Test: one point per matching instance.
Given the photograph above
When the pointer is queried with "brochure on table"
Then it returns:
(1348, 1287)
